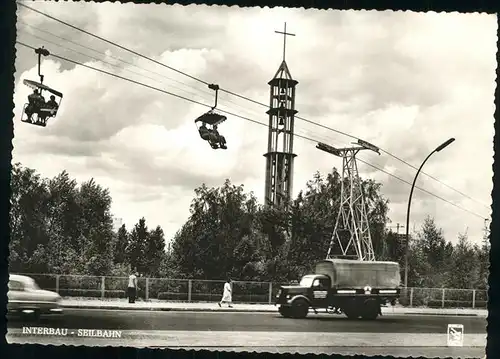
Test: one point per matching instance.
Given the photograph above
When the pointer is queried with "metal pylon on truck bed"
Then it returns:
(352, 230)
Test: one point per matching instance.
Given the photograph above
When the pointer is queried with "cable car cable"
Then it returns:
(113, 65)
(111, 56)
(330, 139)
(244, 118)
(123, 61)
(250, 100)
(247, 99)
(112, 43)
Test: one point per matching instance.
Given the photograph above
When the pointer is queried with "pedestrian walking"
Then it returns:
(132, 287)
(227, 296)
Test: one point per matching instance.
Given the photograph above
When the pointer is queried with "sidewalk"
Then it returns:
(122, 304)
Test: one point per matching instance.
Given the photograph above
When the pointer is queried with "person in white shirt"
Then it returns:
(227, 296)
(132, 287)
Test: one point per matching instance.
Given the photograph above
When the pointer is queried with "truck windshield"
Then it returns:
(306, 281)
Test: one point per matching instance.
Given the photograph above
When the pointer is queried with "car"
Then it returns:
(26, 298)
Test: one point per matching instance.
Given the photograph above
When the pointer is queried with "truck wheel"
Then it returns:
(351, 309)
(285, 311)
(371, 310)
(300, 308)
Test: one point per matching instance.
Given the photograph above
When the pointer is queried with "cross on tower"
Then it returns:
(284, 33)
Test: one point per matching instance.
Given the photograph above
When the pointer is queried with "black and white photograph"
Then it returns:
(281, 180)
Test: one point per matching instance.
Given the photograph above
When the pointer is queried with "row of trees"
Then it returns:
(60, 227)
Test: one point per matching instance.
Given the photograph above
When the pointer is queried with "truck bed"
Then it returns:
(354, 274)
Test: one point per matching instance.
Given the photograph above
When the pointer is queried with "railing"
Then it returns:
(195, 290)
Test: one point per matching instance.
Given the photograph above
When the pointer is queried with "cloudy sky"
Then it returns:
(403, 81)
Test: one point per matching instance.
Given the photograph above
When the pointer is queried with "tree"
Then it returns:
(64, 252)
(418, 266)
(377, 207)
(395, 247)
(484, 259)
(28, 236)
(96, 228)
(314, 215)
(154, 251)
(168, 268)
(220, 220)
(121, 245)
(137, 246)
(437, 253)
(464, 269)
(58, 226)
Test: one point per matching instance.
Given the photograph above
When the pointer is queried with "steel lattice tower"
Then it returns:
(280, 156)
(352, 230)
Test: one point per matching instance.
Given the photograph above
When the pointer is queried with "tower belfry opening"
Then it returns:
(280, 156)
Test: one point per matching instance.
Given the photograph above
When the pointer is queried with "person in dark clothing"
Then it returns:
(47, 109)
(219, 139)
(35, 100)
(52, 104)
(204, 132)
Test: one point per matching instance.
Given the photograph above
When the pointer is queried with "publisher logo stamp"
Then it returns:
(455, 335)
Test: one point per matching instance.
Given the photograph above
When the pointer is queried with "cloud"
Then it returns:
(403, 81)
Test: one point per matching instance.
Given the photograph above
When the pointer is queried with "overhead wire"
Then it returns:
(221, 100)
(113, 65)
(110, 64)
(357, 138)
(114, 44)
(247, 99)
(111, 56)
(242, 117)
(123, 61)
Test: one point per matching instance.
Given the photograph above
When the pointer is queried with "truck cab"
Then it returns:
(313, 291)
(318, 289)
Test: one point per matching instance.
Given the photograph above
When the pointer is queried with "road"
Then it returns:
(268, 322)
(396, 335)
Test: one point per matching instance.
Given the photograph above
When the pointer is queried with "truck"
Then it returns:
(355, 288)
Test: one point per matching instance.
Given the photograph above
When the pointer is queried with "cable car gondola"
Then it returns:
(37, 110)
(208, 122)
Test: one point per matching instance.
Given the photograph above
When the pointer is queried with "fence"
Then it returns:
(195, 290)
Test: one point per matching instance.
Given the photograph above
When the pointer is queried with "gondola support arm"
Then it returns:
(41, 51)
(216, 89)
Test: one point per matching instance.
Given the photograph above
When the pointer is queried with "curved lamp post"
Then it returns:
(439, 148)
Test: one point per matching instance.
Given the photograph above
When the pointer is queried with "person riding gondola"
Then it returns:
(35, 101)
(48, 109)
(219, 139)
(52, 104)
(212, 136)
(204, 132)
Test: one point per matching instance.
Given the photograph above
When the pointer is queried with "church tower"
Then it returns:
(280, 156)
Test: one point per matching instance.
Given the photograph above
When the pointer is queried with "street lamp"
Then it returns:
(438, 149)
